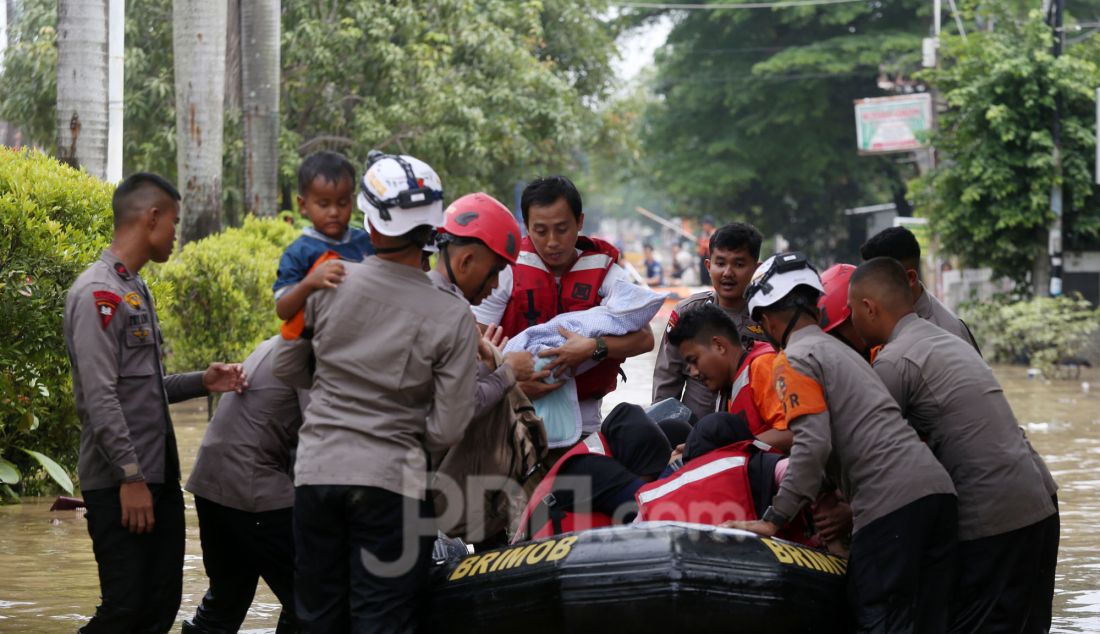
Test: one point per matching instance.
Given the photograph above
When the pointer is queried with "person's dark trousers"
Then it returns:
(1038, 621)
(238, 548)
(361, 558)
(902, 567)
(140, 576)
(999, 579)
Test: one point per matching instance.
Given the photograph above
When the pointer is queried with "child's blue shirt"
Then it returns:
(300, 256)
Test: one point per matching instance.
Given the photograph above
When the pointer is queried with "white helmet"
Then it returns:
(777, 277)
(400, 193)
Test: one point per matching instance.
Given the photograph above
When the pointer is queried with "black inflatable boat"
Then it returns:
(642, 578)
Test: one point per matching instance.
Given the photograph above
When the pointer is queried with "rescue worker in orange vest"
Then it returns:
(709, 344)
(560, 271)
(594, 483)
(734, 256)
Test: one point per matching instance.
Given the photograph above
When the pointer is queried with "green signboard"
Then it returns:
(893, 124)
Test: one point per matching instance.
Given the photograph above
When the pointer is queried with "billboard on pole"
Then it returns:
(893, 124)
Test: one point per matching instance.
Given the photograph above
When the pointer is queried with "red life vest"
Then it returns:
(711, 489)
(567, 521)
(537, 298)
(742, 397)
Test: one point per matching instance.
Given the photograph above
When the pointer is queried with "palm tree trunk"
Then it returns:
(260, 96)
(82, 59)
(198, 44)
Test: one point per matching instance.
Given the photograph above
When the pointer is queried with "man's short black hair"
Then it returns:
(886, 279)
(124, 199)
(700, 323)
(737, 235)
(547, 191)
(893, 242)
(331, 166)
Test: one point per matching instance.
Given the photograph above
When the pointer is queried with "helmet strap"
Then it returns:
(798, 310)
(443, 252)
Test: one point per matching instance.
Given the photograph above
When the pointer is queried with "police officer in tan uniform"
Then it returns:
(243, 483)
(392, 378)
(950, 396)
(128, 466)
(734, 255)
(900, 244)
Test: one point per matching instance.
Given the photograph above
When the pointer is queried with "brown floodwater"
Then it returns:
(48, 580)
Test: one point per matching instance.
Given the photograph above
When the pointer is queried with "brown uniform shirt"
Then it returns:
(949, 395)
(246, 461)
(670, 378)
(395, 378)
(492, 385)
(930, 308)
(122, 396)
(855, 434)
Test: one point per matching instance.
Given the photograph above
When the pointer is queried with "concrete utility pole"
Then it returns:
(1054, 242)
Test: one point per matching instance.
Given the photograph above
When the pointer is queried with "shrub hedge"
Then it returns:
(54, 221)
(213, 297)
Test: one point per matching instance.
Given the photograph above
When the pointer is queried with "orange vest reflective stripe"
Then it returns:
(711, 489)
(743, 397)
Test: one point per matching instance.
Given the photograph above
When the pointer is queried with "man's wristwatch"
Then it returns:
(600, 353)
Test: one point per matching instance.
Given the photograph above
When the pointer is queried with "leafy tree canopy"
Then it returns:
(485, 90)
(989, 199)
(754, 113)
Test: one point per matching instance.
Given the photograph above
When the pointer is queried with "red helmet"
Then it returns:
(834, 302)
(483, 217)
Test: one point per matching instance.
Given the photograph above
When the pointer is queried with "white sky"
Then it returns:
(636, 48)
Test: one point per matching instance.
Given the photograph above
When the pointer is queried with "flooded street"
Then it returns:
(48, 580)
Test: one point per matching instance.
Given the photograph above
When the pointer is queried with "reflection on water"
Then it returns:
(48, 580)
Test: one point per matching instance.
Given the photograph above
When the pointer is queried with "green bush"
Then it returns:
(1039, 331)
(54, 221)
(216, 302)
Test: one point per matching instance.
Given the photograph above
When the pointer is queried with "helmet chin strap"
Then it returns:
(798, 310)
(451, 274)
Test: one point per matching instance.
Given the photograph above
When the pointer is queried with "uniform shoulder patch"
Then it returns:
(106, 305)
(800, 395)
(673, 319)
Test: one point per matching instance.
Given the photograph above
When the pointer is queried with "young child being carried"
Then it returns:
(326, 189)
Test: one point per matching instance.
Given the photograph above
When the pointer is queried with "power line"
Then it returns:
(746, 5)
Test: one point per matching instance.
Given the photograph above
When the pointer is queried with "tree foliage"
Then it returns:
(486, 91)
(754, 117)
(56, 222)
(989, 199)
(216, 303)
